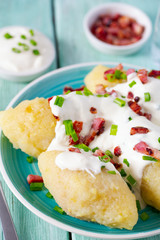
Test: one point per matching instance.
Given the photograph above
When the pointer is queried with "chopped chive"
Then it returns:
(68, 92)
(49, 195)
(83, 146)
(120, 102)
(123, 76)
(129, 185)
(36, 52)
(159, 139)
(111, 172)
(94, 149)
(148, 158)
(125, 161)
(31, 32)
(8, 36)
(123, 173)
(158, 77)
(129, 118)
(147, 97)
(74, 136)
(110, 77)
(131, 180)
(117, 74)
(106, 95)
(79, 93)
(30, 159)
(138, 205)
(123, 96)
(144, 216)
(16, 50)
(33, 42)
(36, 186)
(102, 167)
(99, 95)
(87, 92)
(70, 130)
(104, 158)
(132, 84)
(25, 46)
(108, 153)
(23, 37)
(59, 101)
(113, 130)
(59, 210)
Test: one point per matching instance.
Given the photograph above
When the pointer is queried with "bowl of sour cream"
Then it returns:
(25, 53)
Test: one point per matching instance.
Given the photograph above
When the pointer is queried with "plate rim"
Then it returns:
(33, 209)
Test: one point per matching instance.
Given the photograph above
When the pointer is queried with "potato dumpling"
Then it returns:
(29, 126)
(105, 199)
(150, 187)
(96, 76)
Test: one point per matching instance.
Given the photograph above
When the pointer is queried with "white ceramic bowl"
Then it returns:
(113, 8)
(28, 75)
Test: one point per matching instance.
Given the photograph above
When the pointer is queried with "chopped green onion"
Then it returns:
(123, 76)
(123, 173)
(110, 77)
(67, 92)
(31, 32)
(16, 50)
(148, 158)
(113, 130)
(83, 146)
(158, 77)
(108, 153)
(23, 37)
(30, 159)
(129, 118)
(147, 97)
(129, 185)
(159, 139)
(87, 92)
(138, 205)
(70, 130)
(94, 149)
(144, 216)
(102, 167)
(111, 172)
(8, 36)
(99, 95)
(104, 158)
(131, 180)
(59, 101)
(36, 186)
(33, 42)
(25, 46)
(117, 74)
(106, 95)
(123, 96)
(120, 102)
(36, 52)
(49, 195)
(132, 84)
(59, 210)
(125, 161)
(79, 93)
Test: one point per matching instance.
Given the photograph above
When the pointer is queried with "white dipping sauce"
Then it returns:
(77, 107)
(24, 60)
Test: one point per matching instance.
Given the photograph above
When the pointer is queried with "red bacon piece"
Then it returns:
(134, 106)
(117, 151)
(144, 148)
(49, 99)
(100, 89)
(113, 93)
(143, 75)
(93, 110)
(119, 67)
(77, 125)
(129, 71)
(139, 130)
(98, 153)
(130, 95)
(71, 149)
(154, 73)
(147, 115)
(34, 178)
(66, 89)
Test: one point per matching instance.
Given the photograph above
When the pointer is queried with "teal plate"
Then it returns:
(15, 168)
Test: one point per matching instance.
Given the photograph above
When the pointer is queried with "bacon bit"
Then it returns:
(116, 165)
(119, 67)
(100, 89)
(77, 125)
(144, 148)
(98, 153)
(136, 99)
(66, 89)
(34, 178)
(71, 149)
(49, 99)
(113, 93)
(130, 95)
(98, 125)
(117, 151)
(142, 74)
(56, 117)
(134, 106)
(109, 71)
(129, 71)
(147, 115)
(139, 130)
(93, 110)
(137, 28)
(154, 73)
(88, 139)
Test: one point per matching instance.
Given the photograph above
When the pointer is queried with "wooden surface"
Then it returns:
(61, 21)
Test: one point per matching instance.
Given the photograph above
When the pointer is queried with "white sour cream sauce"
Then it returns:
(26, 60)
(77, 107)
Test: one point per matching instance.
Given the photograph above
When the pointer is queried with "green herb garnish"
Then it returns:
(144, 216)
(30, 159)
(108, 153)
(147, 97)
(105, 158)
(159, 139)
(94, 149)
(148, 158)
(125, 161)
(31, 32)
(79, 93)
(123, 173)
(138, 205)
(59, 210)
(8, 36)
(23, 37)
(132, 84)
(59, 101)
(68, 92)
(36, 52)
(110, 77)
(87, 92)
(129, 118)
(111, 172)
(25, 46)
(49, 195)
(16, 50)
(113, 130)
(70, 130)
(83, 146)
(120, 102)
(131, 180)
(33, 42)
(36, 186)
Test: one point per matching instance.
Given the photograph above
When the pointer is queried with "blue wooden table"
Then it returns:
(61, 21)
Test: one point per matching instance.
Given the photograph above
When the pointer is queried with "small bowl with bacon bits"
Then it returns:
(117, 28)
